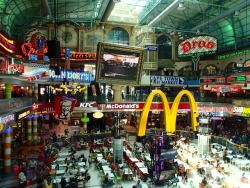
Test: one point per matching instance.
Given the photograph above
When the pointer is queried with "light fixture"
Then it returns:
(181, 6)
(236, 13)
(98, 115)
(198, 31)
(172, 33)
(181, 38)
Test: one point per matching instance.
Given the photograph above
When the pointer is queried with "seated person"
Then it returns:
(204, 181)
(73, 171)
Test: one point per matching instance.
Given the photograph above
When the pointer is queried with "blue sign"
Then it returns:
(33, 57)
(151, 47)
(70, 75)
(167, 80)
(67, 53)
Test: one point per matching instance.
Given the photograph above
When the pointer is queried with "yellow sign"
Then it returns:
(170, 114)
(1, 127)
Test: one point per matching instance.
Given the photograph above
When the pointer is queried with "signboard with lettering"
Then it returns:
(151, 47)
(23, 114)
(6, 119)
(236, 78)
(207, 80)
(79, 56)
(167, 80)
(201, 45)
(235, 53)
(242, 111)
(70, 75)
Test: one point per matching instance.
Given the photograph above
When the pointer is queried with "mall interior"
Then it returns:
(125, 93)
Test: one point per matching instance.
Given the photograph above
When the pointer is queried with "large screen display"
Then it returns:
(117, 64)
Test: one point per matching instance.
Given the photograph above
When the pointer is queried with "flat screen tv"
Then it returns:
(120, 65)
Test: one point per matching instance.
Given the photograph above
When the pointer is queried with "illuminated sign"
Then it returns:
(151, 47)
(201, 45)
(7, 119)
(236, 78)
(7, 44)
(237, 53)
(79, 56)
(170, 114)
(71, 75)
(116, 106)
(35, 106)
(22, 115)
(243, 111)
(220, 80)
(87, 105)
(207, 80)
(167, 80)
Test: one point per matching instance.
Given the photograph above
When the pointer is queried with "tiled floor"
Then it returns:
(10, 180)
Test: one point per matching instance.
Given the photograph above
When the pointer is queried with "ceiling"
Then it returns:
(213, 17)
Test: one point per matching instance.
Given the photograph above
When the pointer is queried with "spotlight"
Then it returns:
(236, 13)
(181, 6)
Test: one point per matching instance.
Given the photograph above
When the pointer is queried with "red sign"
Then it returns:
(215, 89)
(80, 56)
(235, 89)
(6, 44)
(64, 106)
(35, 106)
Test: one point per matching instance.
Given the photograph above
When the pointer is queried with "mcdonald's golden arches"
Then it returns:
(170, 114)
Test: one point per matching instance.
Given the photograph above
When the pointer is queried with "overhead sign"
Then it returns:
(242, 111)
(207, 80)
(235, 53)
(79, 56)
(70, 75)
(7, 119)
(167, 80)
(151, 47)
(201, 45)
(23, 114)
(170, 113)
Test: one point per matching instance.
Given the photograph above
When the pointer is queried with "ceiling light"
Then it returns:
(198, 31)
(181, 6)
(172, 33)
(236, 13)
(179, 33)
(181, 38)
(98, 115)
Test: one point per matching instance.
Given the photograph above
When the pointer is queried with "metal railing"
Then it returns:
(7, 105)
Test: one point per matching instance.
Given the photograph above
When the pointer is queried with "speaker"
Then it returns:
(54, 49)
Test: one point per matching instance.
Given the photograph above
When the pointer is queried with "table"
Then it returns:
(99, 158)
(62, 165)
(144, 170)
(63, 154)
(127, 171)
(106, 168)
(140, 164)
(111, 175)
(99, 155)
(81, 164)
(133, 159)
(60, 172)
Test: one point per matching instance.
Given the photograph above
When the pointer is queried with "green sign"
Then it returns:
(84, 119)
(233, 54)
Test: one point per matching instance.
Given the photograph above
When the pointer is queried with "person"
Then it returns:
(32, 165)
(204, 181)
(90, 162)
(138, 184)
(107, 181)
(63, 182)
(22, 179)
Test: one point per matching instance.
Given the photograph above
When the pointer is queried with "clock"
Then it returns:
(67, 36)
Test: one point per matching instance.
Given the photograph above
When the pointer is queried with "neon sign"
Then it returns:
(80, 56)
(197, 45)
(233, 54)
(8, 45)
(71, 75)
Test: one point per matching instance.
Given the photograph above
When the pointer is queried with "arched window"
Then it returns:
(164, 47)
(118, 35)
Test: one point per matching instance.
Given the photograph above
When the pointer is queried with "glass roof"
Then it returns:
(183, 18)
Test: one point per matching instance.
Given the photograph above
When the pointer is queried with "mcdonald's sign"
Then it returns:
(170, 114)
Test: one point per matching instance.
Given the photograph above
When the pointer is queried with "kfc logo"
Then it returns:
(64, 106)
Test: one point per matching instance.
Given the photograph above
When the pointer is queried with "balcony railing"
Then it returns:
(7, 105)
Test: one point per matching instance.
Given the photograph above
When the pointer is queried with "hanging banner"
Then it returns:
(64, 106)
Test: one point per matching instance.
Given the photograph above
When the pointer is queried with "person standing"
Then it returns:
(138, 184)
(22, 179)
(90, 162)
(32, 165)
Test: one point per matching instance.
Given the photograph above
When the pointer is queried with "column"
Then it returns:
(117, 93)
(36, 93)
(8, 91)
(138, 118)
(29, 130)
(248, 125)
(85, 115)
(35, 142)
(30, 91)
(118, 150)
(203, 144)
(85, 93)
(7, 149)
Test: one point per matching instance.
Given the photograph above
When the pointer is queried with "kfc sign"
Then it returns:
(86, 105)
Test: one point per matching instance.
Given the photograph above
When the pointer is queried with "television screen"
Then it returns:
(167, 175)
(168, 154)
(117, 64)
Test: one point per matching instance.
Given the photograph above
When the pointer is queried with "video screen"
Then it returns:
(168, 154)
(117, 64)
(166, 175)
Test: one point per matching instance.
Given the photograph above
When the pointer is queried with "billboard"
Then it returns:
(170, 114)
(201, 45)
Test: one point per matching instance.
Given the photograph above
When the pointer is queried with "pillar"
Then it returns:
(36, 93)
(118, 150)
(35, 142)
(248, 125)
(85, 115)
(8, 91)
(138, 118)
(29, 130)
(30, 91)
(117, 93)
(203, 144)
(85, 93)
(7, 149)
